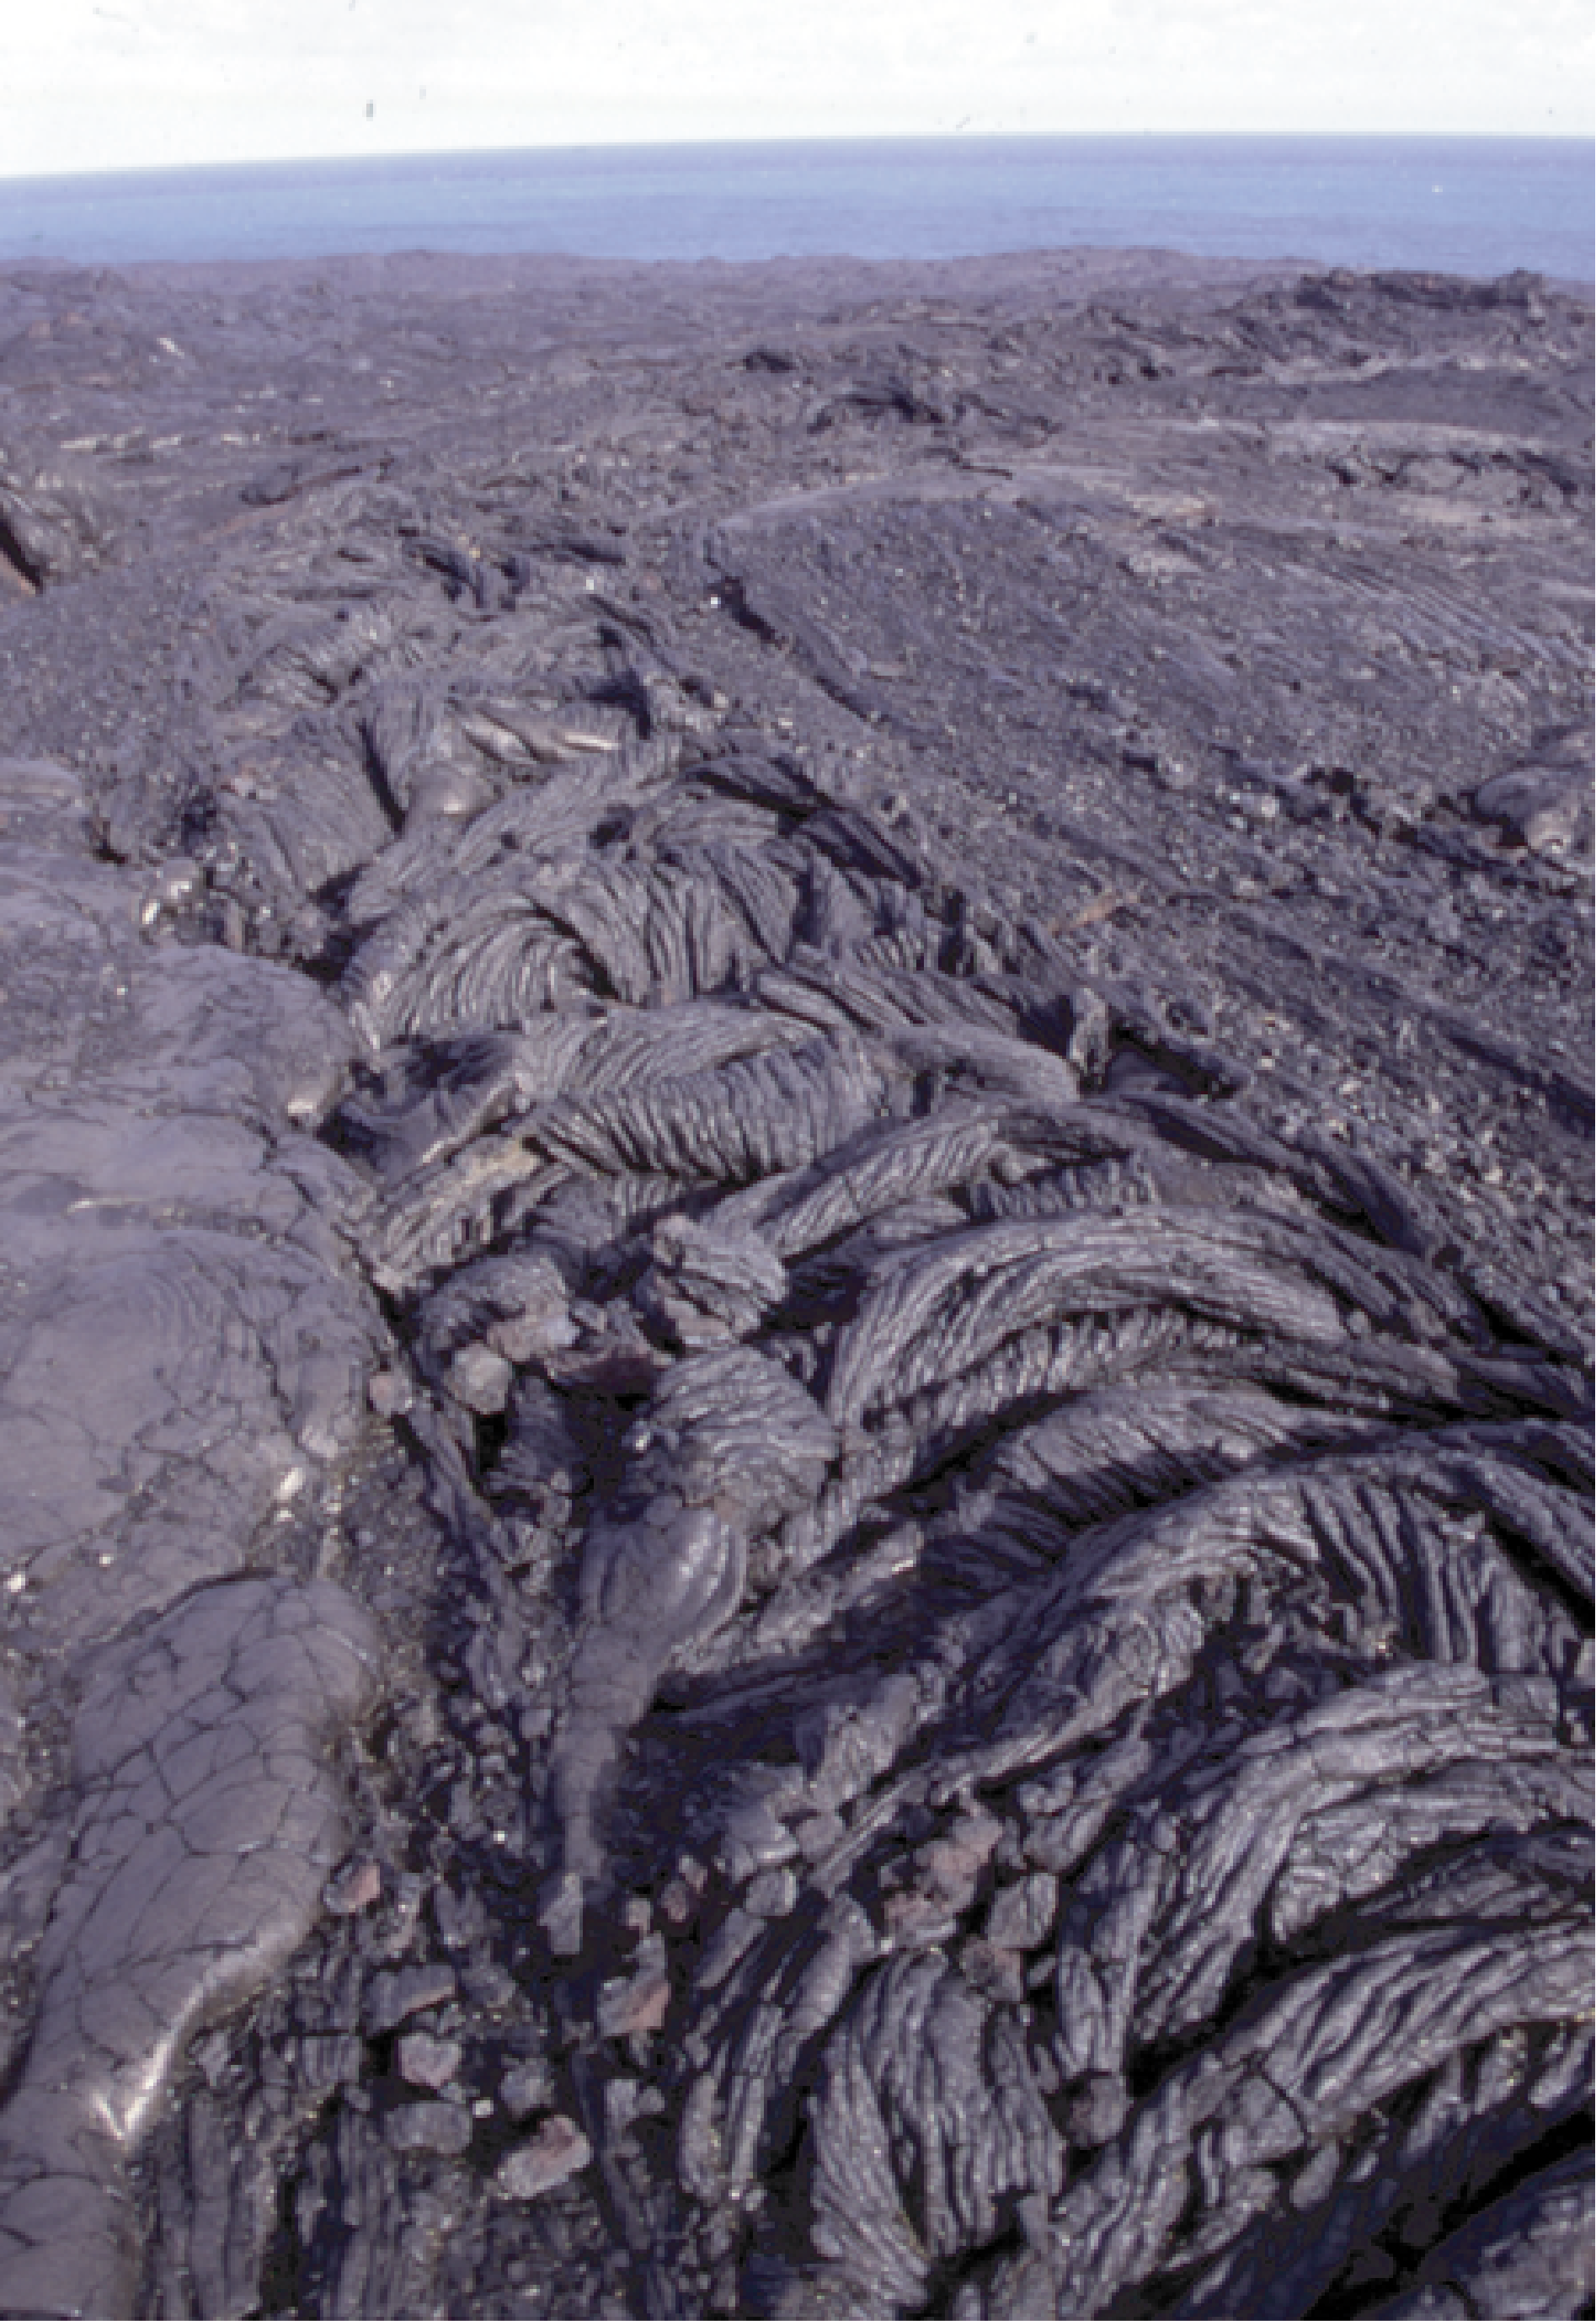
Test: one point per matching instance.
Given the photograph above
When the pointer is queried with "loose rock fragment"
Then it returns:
(557, 2152)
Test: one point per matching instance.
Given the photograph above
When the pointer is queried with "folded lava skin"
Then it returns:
(795, 1428)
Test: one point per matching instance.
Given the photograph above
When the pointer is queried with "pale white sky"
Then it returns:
(126, 83)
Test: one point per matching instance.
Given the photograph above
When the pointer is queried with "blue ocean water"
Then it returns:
(1468, 205)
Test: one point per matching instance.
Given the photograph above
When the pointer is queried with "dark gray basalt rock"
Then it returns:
(796, 1410)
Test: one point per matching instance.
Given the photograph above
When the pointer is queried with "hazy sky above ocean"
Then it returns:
(103, 84)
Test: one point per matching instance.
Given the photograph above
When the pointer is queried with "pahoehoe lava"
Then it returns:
(796, 1416)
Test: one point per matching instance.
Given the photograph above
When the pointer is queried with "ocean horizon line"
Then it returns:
(1327, 140)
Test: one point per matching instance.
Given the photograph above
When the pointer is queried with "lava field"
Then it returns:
(795, 1439)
